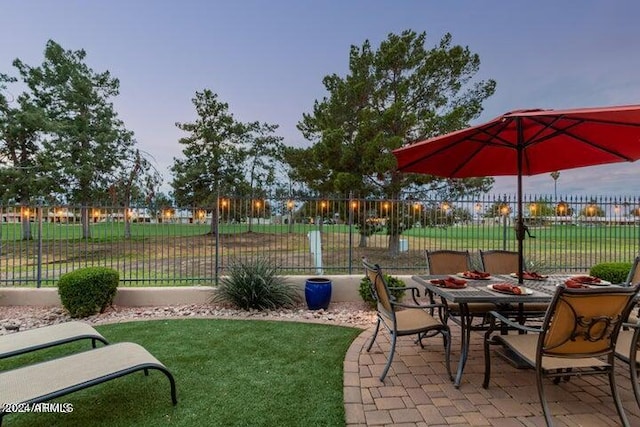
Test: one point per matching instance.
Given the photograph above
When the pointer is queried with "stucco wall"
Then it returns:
(344, 288)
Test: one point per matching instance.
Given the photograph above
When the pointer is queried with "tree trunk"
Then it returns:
(127, 222)
(215, 219)
(84, 219)
(363, 241)
(26, 228)
(394, 244)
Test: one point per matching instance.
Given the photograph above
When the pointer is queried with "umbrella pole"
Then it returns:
(520, 221)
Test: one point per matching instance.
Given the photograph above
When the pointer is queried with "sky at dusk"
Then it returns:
(266, 59)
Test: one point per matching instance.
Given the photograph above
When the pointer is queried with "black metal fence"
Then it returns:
(189, 246)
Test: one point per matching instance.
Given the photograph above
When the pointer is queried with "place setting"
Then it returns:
(585, 281)
(507, 288)
(475, 275)
(450, 283)
(531, 275)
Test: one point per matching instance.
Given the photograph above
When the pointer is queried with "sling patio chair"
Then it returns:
(634, 274)
(627, 348)
(54, 378)
(47, 336)
(506, 262)
(452, 262)
(402, 319)
(577, 337)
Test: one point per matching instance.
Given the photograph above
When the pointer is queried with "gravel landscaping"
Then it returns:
(355, 314)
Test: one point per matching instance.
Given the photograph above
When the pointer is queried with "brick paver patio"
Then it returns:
(417, 391)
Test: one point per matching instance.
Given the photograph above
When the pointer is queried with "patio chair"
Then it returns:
(452, 262)
(447, 261)
(627, 348)
(506, 262)
(402, 319)
(577, 337)
(54, 378)
(47, 336)
(633, 278)
(499, 261)
(634, 274)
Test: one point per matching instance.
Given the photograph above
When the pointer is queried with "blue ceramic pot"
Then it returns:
(317, 293)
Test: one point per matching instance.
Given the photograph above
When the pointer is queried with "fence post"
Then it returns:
(216, 232)
(350, 250)
(39, 268)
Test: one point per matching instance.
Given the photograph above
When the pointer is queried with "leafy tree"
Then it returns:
(400, 93)
(539, 208)
(592, 210)
(563, 209)
(20, 131)
(262, 150)
(86, 141)
(213, 155)
(497, 209)
(137, 180)
(224, 157)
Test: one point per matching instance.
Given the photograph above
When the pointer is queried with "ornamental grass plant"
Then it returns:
(255, 284)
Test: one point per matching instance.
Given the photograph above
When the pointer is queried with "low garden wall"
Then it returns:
(344, 289)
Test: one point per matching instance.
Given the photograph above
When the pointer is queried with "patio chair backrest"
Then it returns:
(634, 274)
(448, 262)
(380, 289)
(584, 322)
(499, 261)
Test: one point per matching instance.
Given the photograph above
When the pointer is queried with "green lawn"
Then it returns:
(228, 373)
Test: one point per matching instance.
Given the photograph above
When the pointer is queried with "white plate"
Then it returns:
(469, 278)
(540, 279)
(435, 282)
(525, 291)
(600, 283)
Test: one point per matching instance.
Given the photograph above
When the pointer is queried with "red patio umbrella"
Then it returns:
(529, 142)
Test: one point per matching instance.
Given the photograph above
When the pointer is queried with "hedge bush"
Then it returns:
(89, 290)
(614, 272)
(365, 289)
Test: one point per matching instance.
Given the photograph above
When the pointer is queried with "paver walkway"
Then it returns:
(417, 391)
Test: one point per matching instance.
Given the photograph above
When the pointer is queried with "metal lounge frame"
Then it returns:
(54, 378)
(48, 336)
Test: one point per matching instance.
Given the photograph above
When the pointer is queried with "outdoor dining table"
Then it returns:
(477, 291)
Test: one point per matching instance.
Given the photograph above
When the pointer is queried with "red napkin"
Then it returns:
(532, 275)
(585, 279)
(475, 274)
(570, 283)
(450, 282)
(507, 287)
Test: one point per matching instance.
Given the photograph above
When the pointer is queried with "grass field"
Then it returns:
(187, 254)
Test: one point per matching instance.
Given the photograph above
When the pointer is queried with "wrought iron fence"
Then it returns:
(188, 246)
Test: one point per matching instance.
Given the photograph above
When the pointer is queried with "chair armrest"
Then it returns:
(631, 325)
(415, 292)
(421, 306)
(510, 323)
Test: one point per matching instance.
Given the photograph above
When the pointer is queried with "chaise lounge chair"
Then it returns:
(51, 379)
(47, 336)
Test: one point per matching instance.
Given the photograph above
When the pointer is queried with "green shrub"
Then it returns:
(614, 272)
(365, 289)
(89, 290)
(255, 284)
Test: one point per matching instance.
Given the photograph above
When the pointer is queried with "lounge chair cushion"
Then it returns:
(47, 336)
(54, 378)
(525, 346)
